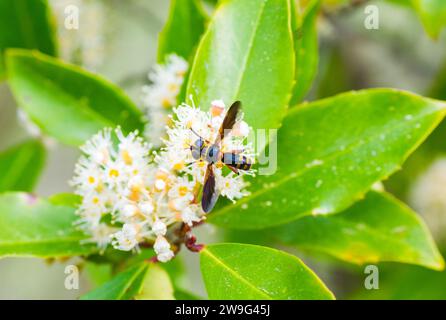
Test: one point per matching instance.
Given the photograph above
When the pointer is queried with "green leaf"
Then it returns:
(378, 228)
(434, 147)
(116, 288)
(65, 101)
(246, 54)
(330, 153)
(65, 199)
(433, 15)
(26, 24)
(21, 166)
(306, 50)
(238, 271)
(34, 227)
(98, 273)
(183, 29)
(156, 285)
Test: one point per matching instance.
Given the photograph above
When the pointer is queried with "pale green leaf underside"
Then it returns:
(330, 153)
(237, 271)
(21, 165)
(33, 227)
(65, 101)
(156, 285)
(246, 54)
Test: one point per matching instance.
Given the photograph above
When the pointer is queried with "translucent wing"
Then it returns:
(210, 194)
(229, 120)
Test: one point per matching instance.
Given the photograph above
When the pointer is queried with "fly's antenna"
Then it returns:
(196, 133)
(200, 137)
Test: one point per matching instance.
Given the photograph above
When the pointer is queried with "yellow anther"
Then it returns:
(183, 191)
(126, 157)
(113, 173)
(178, 166)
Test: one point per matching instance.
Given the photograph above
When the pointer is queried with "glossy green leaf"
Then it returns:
(65, 101)
(183, 29)
(156, 285)
(66, 199)
(238, 271)
(26, 24)
(434, 147)
(378, 228)
(246, 54)
(330, 153)
(432, 14)
(30, 226)
(117, 288)
(306, 50)
(21, 166)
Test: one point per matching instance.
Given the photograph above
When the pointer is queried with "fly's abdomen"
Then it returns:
(237, 161)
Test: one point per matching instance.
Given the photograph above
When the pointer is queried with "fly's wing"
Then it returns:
(229, 121)
(210, 194)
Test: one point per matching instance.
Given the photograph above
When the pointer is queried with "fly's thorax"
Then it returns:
(212, 153)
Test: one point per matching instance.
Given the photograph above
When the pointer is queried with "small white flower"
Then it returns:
(126, 239)
(217, 108)
(99, 147)
(189, 216)
(162, 249)
(101, 235)
(177, 65)
(147, 208)
(231, 186)
(160, 184)
(183, 189)
(159, 228)
(130, 210)
(241, 129)
(178, 204)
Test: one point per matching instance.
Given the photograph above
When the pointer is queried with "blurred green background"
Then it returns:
(118, 39)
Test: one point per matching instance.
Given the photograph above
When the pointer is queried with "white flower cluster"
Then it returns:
(119, 187)
(166, 81)
(132, 196)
